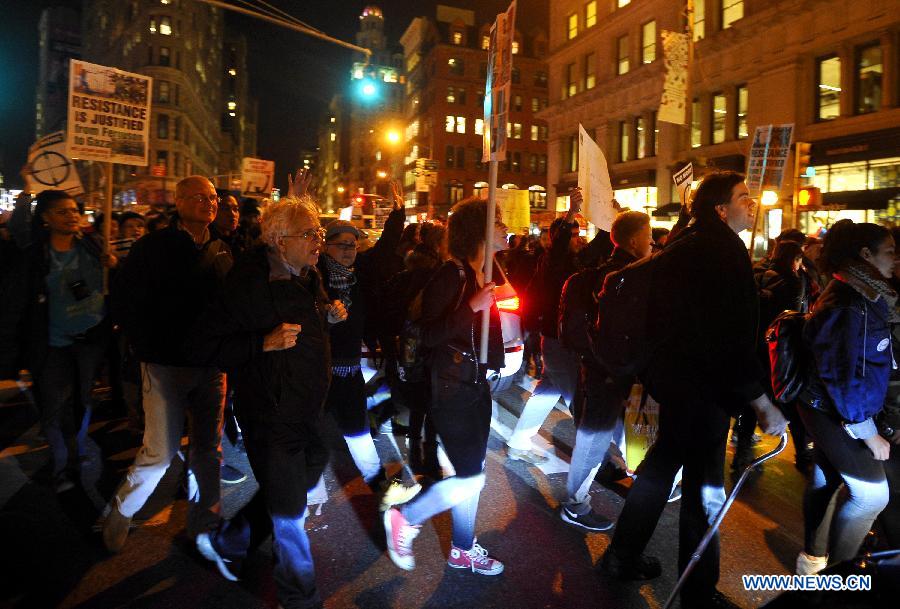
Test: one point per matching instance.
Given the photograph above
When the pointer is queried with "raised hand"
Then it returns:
(397, 194)
(299, 185)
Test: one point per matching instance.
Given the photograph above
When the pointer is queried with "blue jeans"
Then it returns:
(287, 460)
(65, 369)
(833, 525)
(692, 433)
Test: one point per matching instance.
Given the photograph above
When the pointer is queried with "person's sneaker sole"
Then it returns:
(206, 549)
(398, 560)
(570, 519)
(232, 475)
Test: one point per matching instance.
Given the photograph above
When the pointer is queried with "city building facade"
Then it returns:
(59, 39)
(185, 47)
(446, 55)
(827, 67)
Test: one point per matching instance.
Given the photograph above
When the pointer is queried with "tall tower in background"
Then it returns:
(59, 34)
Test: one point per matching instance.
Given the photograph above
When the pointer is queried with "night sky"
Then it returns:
(293, 76)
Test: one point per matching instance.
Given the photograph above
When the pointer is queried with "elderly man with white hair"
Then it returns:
(269, 332)
(165, 284)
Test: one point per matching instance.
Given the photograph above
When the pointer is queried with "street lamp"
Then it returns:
(382, 174)
(340, 190)
(393, 136)
(769, 197)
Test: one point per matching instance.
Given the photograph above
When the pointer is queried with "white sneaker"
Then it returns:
(400, 535)
(810, 565)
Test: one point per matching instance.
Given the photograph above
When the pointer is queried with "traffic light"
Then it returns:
(802, 154)
(809, 197)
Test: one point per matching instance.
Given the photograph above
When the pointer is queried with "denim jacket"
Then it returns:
(849, 337)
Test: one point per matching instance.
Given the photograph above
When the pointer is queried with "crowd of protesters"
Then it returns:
(256, 320)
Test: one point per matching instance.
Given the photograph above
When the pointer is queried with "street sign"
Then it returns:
(257, 177)
(109, 114)
(50, 168)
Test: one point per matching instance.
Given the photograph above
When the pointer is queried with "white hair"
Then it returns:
(280, 219)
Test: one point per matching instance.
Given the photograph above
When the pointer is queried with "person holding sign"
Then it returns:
(461, 398)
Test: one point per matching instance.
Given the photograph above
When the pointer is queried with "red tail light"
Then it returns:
(508, 304)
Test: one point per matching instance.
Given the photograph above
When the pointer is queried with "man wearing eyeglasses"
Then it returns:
(168, 279)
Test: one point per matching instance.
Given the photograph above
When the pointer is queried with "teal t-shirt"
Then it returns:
(73, 310)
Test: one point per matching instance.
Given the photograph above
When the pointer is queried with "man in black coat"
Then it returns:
(165, 284)
(270, 333)
(705, 305)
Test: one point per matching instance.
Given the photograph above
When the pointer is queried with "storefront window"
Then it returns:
(861, 175)
(640, 198)
(828, 94)
(869, 69)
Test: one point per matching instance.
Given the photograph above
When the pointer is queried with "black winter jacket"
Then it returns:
(347, 336)
(449, 332)
(290, 384)
(164, 286)
(706, 306)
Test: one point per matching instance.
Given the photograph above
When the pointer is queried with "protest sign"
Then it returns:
(49, 168)
(593, 179)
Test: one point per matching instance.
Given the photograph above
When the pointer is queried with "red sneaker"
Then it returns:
(400, 535)
(476, 559)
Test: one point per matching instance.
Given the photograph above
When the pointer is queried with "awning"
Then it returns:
(860, 199)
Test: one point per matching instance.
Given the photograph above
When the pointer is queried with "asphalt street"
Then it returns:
(53, 556)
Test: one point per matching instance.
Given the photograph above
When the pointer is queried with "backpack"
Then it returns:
(578, 309)
(411, 351)
(788, 355)
(621, 338)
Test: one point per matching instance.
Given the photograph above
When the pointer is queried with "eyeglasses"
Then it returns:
(202, 198)
(312, 234)
(347, 247)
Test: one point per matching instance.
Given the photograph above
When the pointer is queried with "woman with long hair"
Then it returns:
(849, 338)
(452, 305)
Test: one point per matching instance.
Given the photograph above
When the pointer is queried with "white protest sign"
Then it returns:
(593, 179)
(49, 168)
(683, 178)
(109, 114)
(346, 213)
(768, 156)
(257, 177)
(498, 86)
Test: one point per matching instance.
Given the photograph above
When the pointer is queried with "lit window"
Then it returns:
(622, 65)
(457, 37)
(165, 1)
(719, 115)
(517, 103)
(590, 71)
(535, 104)
(534, 133)
(624, 142)
(162, 92)
(449, 123)
(590, 14)
(460, 124)
(333, 136)
(696, 133)
(515, 47)
(456, 66)
(572, 26)
(479, 126)
(485, 43)
(742, 102)
(165, 26)
(571, 87)
(333, 119)
(621, 3)
(869, 70)
(828, 96)
(232, 72)
(232, 105)
(732, 10)
(699, 21)
(451, 95)
(517, 131)
(648, 42)
(640, 136)
(153, 25)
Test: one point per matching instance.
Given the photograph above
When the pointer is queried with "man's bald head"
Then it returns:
(190, 183)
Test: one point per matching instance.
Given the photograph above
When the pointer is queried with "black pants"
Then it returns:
(287, 459)
(347, 403)
(692, 434)
(417, 397)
